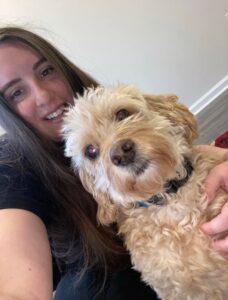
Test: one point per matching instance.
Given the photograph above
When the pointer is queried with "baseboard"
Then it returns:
(211, 111)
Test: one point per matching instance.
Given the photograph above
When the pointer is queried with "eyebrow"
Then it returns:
(38, 63)
(16, 80)
(9, 84)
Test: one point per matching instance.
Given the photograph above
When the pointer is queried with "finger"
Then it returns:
(216, 225)
(211, 186)
(217, 178)
(221, 245)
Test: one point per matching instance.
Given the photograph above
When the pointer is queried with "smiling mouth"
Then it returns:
(59, 112)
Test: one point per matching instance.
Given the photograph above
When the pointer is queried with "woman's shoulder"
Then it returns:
(12, 164)
(20, 187)
(4, 145)
(8, 154)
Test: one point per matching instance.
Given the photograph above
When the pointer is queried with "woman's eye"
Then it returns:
(91, 152)
(16, 95)
(122, 114)
(47, 71)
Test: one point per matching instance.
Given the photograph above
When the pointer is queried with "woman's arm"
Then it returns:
(217, 178)
(25, 257)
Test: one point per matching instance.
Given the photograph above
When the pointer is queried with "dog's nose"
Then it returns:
(122, 153)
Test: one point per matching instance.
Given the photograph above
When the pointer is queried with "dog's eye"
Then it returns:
(122, 114)
(91, 152)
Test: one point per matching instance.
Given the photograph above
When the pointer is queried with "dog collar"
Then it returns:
(171, 186)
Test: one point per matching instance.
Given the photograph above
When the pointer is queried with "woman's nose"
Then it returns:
(42, 94)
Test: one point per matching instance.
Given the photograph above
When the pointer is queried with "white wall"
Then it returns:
(161, 46)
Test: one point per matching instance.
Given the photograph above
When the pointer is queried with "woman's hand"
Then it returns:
(218, 178)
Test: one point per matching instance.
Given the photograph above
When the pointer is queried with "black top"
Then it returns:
(22, 189)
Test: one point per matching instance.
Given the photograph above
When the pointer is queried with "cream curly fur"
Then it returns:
(166, 245)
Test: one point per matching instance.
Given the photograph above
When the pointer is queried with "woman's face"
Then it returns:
(37, 91)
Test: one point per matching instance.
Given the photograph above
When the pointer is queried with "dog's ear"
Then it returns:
(177, 113)
(107, 211)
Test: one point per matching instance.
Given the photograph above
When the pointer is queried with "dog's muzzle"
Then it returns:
(124, 154)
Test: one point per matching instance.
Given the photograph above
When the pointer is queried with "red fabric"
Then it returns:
(222, 140)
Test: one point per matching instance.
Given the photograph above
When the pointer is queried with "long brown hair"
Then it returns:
(83, 241)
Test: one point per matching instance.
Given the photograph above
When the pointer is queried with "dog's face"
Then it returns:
(126, 145)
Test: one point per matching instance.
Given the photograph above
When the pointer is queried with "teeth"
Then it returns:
(56, 113)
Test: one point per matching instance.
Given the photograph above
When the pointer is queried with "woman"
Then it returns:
(45, 212)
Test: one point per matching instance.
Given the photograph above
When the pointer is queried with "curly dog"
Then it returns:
(134, 154)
